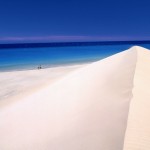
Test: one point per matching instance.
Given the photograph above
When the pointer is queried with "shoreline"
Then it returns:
(48, 66)
(18, 84)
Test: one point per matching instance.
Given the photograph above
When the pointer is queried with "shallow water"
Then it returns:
(31, 58)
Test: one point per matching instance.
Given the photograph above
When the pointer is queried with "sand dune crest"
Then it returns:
(138, 128)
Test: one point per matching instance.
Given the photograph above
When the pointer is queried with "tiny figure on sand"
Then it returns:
(39, 67)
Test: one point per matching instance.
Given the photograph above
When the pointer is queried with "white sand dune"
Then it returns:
(138, 128)
(85, 110)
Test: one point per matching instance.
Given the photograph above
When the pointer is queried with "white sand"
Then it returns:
(138, 129)
(85, 110)
(17, 84)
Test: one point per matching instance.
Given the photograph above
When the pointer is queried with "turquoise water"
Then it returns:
(31, 58)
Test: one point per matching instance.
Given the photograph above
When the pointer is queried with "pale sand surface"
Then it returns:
(85, 110)
(138, 128)
(17, 84)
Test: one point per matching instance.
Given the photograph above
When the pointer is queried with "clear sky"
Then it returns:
(73, 20)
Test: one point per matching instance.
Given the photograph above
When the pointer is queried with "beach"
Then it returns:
(79, 111)
(17, 84)
(74, 75)
(101, 105)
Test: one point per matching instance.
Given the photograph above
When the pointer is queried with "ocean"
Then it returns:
(30, 58)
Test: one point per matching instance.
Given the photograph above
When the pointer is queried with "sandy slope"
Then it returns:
(17, 84)
(86, 110)
(138, 129)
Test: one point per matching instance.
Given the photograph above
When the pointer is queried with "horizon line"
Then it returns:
(70, 43)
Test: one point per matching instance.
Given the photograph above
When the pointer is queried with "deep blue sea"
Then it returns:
(31, 58)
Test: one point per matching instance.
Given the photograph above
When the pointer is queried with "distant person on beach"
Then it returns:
(39, 67)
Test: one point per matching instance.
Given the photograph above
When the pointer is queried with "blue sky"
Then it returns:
(73, 20)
